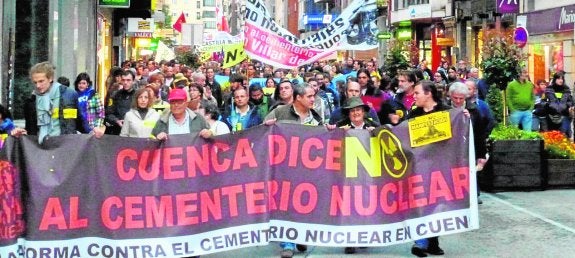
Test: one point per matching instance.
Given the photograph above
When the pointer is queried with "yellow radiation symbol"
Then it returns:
(393, 157)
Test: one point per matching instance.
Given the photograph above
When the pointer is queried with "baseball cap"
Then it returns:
(177, 94)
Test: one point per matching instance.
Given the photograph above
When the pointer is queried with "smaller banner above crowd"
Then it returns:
(223, 48)
(265, 40)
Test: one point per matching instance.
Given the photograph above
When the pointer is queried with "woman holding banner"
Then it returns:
(355, 117)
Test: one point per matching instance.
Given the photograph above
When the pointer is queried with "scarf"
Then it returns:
(45, 104)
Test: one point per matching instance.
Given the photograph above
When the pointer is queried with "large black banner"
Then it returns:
(80, 195)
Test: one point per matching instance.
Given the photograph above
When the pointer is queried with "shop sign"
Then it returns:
(384, 35)
(140, 34)
(560, 19)
(566, 17)
(114, 3)
(315, 19)
(507, 6)
(419, 11)
(140, 25)
(445, 41)
(520, 37)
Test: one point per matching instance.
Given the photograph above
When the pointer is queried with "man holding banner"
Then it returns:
(427, 100)
(300, 111)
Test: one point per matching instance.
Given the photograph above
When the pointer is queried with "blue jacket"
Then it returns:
(231, 118)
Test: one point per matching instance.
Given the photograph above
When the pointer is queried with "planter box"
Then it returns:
(514, 165)
(560, 173)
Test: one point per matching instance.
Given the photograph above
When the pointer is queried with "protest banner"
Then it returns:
(267, 41)
(78, 196)
(223, 48)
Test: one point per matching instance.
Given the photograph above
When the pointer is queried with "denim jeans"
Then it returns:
(539, 123)
(523, 118)
(422, 243)
(287, 245)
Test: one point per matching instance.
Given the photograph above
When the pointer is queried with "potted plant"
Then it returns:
(559, 159)
(515, 160)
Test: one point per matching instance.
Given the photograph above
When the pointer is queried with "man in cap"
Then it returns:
(180, 119)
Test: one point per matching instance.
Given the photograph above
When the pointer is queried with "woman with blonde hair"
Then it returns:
(141, 118)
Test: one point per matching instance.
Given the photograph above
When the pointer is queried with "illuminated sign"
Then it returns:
(314, 19)
(384, 35)
(114, 3)
(403, 34)
(445, 42)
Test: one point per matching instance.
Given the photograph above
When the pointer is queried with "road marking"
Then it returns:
(541, 217)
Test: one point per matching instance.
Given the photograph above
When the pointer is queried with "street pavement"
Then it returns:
(512, 224)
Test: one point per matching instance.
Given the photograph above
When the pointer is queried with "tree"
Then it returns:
(395, 59)
(186, 55)
(501, 62)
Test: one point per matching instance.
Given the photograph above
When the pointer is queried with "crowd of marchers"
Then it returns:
(146, 99)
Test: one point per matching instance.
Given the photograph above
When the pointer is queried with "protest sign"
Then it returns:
(223, 48)
(265, 40)
(126, 197)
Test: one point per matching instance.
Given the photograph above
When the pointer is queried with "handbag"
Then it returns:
(555, 118)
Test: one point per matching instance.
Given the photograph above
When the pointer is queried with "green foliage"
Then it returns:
(395, 59)
(501, 60)
(494, 99)
(556, 152)
(168, 20)
(186, 55)
(502, 132)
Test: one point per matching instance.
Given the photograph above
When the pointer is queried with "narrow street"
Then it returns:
(512, 224)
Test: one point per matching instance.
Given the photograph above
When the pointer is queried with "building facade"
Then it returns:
(60, 31)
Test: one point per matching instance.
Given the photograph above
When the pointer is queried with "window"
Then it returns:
(198, 16)
(209, 25)
(407, 3)
(198, 4)
(209, 14)
(211, 3)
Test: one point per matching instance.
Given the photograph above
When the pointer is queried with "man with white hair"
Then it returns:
(462, 95)
(473, 74)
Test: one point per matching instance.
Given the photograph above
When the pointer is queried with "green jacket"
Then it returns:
(520, 96)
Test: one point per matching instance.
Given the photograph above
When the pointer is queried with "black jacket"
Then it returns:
(117, 109)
